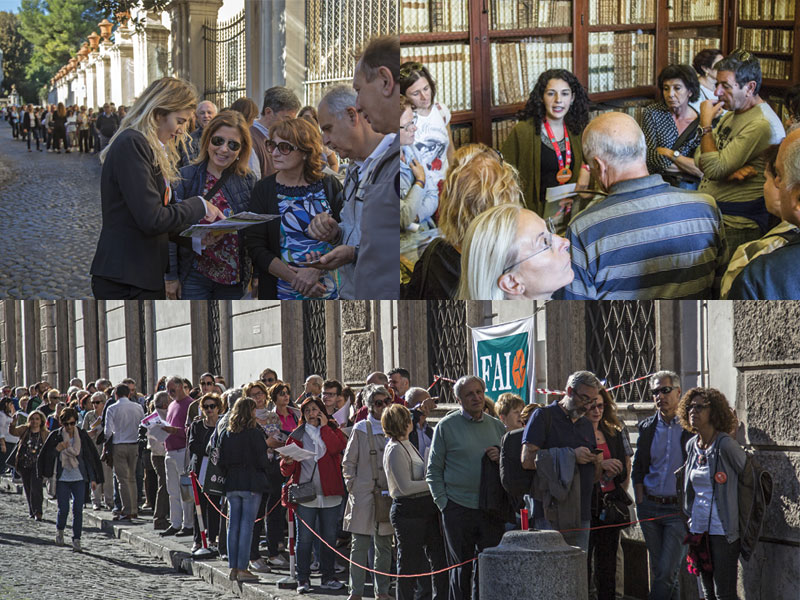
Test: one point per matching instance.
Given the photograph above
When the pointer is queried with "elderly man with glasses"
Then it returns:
(660, 451)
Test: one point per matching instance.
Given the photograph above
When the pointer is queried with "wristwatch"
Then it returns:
(676, 153)
(706, 130)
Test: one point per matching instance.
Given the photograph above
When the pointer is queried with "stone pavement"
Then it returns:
(50, 216)
(161, 567)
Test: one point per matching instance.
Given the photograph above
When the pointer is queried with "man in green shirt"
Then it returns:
(454, 475)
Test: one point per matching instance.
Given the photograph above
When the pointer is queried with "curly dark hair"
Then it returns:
(721, 416)
(686, 74)
(578, 113)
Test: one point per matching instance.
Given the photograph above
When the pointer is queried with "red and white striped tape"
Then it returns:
(547, 392)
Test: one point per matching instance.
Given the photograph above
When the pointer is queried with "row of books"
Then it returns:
(683, 50)
(778, 10)
(775, 68)
(769, 40)
(633, 107)
(523, 14)
(620, 60)
(449, 65)
(614, 12)
(462, 134)
(501, 130)
(424, 16)
(694, 10)
(517, 65)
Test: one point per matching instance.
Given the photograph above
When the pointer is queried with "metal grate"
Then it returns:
(225, 61)
(448, 341)
(335, 32)
(314, 358)
(621, 344)
(213, 337)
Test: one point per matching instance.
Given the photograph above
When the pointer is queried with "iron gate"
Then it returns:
(335, 32)
(314, 362)
(214, 365)
(621, 344)
(447, 344)
(225, 61)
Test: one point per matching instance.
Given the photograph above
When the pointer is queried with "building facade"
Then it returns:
(750, 351)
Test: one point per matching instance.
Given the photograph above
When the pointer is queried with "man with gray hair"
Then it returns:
(770, 276)
(460, 441)
(279, 103)
(180, 512)
(206, 111)
(562, 425)
(645, 240)
(347, 132)
(660, 451)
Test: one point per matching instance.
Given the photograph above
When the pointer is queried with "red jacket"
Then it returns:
(329, 466)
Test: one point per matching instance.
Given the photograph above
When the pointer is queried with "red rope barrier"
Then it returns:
(216, 508)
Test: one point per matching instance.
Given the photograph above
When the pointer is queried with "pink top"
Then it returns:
(606, 486)
(289, 422)
(176, 417)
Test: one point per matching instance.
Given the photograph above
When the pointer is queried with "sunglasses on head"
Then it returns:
(219, 141)
(283, 147)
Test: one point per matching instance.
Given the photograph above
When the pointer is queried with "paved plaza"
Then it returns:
(50, 215)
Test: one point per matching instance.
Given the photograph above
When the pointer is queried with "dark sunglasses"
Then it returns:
(209, 406)
(97, 401)
(69, 424)
(268, 381)
(380, 403)
(662, 390)
(283, 147)
(219, 141)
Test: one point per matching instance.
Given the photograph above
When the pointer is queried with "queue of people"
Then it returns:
(607, 208)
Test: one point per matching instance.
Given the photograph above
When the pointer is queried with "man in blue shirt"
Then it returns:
(660, 451)
(566, 427)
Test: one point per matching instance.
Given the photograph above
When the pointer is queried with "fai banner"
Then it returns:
(504, 358)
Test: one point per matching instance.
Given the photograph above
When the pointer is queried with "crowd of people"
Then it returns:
(73, 128)
(373, 473)
(699, 200)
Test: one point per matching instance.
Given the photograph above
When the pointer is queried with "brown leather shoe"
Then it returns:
(246, 575)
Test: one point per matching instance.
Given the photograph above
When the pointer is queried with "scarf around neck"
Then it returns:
(69, 455)
(319, 446)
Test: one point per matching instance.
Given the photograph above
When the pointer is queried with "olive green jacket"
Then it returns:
(523, 149)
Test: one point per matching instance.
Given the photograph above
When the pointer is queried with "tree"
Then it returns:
(16, 54)
(112, 8)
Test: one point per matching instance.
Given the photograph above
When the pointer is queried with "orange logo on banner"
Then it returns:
(720, 477)
(518, 370)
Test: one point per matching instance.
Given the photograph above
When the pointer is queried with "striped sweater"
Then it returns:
(646, 241)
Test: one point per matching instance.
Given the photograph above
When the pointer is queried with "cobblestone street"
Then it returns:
(50, 215)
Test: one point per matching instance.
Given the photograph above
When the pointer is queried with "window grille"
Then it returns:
(448, 340)
(213, 337)
(225, 61)
(314, 362)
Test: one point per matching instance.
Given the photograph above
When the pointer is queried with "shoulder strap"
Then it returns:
(688, 133)
(218, 185)
(373, 453)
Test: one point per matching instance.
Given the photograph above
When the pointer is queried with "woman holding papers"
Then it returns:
(319, 433)
(546, 143)
(222, 269)
(140, 169)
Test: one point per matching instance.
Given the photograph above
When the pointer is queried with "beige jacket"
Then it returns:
(359, 516)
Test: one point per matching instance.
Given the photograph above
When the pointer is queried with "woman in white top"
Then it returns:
(7, 441)
(433, 139)
(414, 516)
(704, 63)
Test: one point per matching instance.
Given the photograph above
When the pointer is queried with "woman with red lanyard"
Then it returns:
(612, 439)
(545, 146)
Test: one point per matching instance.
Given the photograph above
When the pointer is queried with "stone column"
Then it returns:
(119, 68)
(412, 320)
(188, 52)
(48, 337)
(9, 342)
(359, 352)
(102, 338)
(72, 340)
(150, 350)
(333, 340)
(133, 343)
(200, 337)
(91, 350)
(157, 50)
(225, 341)
(267, 34)
(91, 80)
(62, 345)
(292, 345)
(565, 332)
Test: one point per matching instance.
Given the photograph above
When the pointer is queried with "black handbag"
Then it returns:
(300, 493)
(614, 507)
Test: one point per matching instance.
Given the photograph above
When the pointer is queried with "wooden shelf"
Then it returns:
(434, 38)
(462, 116)
(787, 55)
(695, 24)
(766, 24)
(777, 83)
(622, 27)
(643, 91)
(524, 33)
(507, 110)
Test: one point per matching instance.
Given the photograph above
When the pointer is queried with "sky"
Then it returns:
(9, 5)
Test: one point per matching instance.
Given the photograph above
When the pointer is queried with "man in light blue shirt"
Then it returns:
(122, 422)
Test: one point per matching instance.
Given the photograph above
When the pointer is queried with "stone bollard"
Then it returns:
(533, 565)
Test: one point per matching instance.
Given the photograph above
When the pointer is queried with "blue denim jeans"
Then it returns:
(242, 509)
(664, 540)
(77, 490)
(720, 584)
(200, 287)
(573, 538)
(324, 521)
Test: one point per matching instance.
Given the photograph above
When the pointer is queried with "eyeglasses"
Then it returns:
(596, 407)
(219, 141)
(268, 381)
(283, 147)
(70, 424)
(548, 245)
(97, 401)
(379, 403)
(411, 126)
(698, 407)
(662, 390)
(209, 406)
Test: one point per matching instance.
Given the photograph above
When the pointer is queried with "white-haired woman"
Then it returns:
(510, 253)
(93, 425)
(140, 168)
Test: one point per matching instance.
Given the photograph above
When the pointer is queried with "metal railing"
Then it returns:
(225, 61)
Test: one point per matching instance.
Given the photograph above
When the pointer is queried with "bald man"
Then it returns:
(646, 240)
(772, 275)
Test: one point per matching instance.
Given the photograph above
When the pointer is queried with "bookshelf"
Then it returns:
(616, 48)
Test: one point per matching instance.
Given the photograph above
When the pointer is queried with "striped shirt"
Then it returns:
(646, 241)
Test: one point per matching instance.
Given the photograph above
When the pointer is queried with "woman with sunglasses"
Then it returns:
(298, 191)
(478, 179)
(510, 253)
(199, 434)
(280, 399)
(546, 143)
(93, 425)
(70, 454)
(433, 140)
(140, 170)
(709, 488)
(221, 271)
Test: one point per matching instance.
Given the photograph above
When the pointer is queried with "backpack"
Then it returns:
(515, 480)
(754, 496)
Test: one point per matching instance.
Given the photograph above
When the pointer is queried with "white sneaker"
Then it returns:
(76, 545)
(278, 561)
(303, 587)
(59, 538)
(260, 566)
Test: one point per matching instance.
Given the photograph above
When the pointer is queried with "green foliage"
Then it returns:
(16, 54)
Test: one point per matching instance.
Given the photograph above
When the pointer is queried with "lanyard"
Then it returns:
(564, 173)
